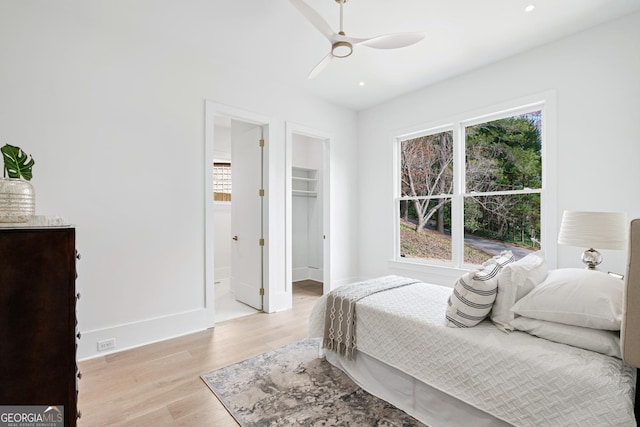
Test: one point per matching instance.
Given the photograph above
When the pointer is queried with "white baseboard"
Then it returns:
(316, 274)
(300, 273)
(307, 273)
(141, 333)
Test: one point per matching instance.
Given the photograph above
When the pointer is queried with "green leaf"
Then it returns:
(17, 164)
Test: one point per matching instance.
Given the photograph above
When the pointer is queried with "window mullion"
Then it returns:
(457, 201)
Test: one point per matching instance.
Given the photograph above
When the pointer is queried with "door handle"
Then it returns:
(235, 237)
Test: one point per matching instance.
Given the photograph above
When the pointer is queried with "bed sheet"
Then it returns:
(516, 377)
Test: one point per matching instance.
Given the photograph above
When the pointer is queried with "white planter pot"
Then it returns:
(17, 200)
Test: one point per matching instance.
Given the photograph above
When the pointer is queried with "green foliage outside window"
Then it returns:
(503, 180)
(504, 155)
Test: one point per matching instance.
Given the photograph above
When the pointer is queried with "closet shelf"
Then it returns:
(300, 178)
(304, 193)
(304, 182)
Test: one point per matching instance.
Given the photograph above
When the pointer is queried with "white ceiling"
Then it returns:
(275, 39)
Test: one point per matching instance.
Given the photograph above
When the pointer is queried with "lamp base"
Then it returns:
(591, 258)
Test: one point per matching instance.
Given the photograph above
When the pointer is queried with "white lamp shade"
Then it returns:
(600, 230)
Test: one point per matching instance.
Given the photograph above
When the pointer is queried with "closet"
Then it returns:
(307, 212)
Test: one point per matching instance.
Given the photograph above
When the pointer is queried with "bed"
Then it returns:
(483, 376)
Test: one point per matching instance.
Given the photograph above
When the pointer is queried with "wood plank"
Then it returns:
(160, 385)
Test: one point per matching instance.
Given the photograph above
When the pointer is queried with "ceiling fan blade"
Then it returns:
(391, 41)
(321, 66)
(315, 19)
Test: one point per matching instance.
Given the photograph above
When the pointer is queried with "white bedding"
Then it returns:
(518, 378)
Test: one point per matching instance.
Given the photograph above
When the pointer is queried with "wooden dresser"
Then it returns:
(38, 318)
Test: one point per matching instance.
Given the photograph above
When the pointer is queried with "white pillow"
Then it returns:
(605, 342)
(474, 293)
(504, 258)
(514, 282)
(574, 296)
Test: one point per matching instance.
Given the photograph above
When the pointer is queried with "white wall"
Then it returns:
(222, 240)
(222, 210)
(222, 141)
(307, 242)
(595, 77)
(108, 96)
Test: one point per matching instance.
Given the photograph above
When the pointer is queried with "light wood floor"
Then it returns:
(159, 384)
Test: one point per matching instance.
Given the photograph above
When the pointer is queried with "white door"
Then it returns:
(246, 213)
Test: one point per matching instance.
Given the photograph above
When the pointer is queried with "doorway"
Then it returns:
(308, 257)
(235, 228)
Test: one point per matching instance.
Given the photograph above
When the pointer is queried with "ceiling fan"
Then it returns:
(342, 45)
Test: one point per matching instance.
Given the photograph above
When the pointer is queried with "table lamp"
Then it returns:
(604, 230)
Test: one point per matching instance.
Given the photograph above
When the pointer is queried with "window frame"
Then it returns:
(546, 104)
(224, 182)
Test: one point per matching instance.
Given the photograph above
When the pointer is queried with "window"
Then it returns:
(472, 189)
(222, 181)
(426, 179)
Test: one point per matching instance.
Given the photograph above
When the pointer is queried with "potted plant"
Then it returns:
(17, 196)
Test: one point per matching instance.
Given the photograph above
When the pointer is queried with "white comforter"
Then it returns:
(521, 379)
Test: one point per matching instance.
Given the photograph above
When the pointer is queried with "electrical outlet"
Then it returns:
(107, 344)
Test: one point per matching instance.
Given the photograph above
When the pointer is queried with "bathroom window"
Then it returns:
(222, 181)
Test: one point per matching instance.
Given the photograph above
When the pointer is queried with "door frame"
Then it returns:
(297, 129)
(213, 110)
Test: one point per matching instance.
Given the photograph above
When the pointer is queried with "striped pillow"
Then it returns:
(474, 293)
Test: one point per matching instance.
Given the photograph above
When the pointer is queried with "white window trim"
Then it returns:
(546, 102)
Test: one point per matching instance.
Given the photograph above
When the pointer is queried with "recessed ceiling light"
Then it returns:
(530, 8)
(361, 83)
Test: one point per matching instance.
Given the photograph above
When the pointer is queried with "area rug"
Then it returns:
(292, 386)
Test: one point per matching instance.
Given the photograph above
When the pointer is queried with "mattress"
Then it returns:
(520, 379)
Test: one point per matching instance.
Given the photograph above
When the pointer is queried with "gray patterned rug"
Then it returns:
(291, 386)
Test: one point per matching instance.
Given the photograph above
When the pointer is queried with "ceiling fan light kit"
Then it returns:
(341, 49)
(341, 45)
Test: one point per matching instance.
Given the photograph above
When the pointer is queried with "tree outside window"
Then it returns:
(426, 188)
(495, 186)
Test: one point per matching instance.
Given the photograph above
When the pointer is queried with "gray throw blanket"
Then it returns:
(340, 315)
